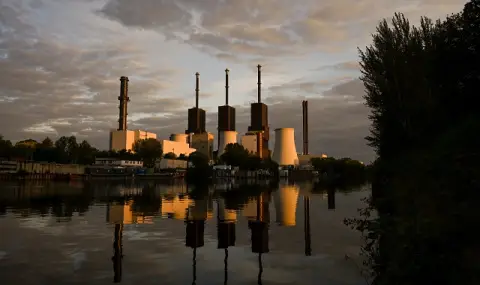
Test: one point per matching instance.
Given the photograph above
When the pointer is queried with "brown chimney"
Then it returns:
(305, 126)
(124, 99)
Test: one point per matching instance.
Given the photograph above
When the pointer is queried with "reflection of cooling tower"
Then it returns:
(285, 152)
(286, 205)
(226, 137)
(226, 214)
(183, 138)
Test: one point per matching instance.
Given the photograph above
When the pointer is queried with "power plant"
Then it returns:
(259, 120)
(122, 138)
(196, 116)
(197, 138)
(226, 122)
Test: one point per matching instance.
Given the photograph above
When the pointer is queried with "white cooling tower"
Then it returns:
(226, 137)
(285, 199)
(179, 138)
(285, 152)
(226, 214)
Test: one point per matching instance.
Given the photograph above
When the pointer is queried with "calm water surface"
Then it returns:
(104, 233)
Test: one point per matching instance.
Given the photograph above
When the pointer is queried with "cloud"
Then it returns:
(59, 87)
(268, 27)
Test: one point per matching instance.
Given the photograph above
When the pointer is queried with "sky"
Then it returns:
(61, 60)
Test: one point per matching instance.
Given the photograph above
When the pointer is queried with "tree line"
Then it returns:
(67, 149)
(422, 88)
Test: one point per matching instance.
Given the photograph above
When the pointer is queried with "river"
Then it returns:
(129, 233)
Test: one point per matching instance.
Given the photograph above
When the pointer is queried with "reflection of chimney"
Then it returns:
(305, 126)
(331, 198)
(225, 231)
(124, 99)
(285, 199)
(260, 230)
(117, 254)
(306, 226)
(259, 83)
(194, 234)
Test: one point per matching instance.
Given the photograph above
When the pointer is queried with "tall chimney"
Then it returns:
(259, 83)
(124, 99)
(197, 84)
(305, 126)
(226, 86)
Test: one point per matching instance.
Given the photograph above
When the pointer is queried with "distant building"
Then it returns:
(177, 147)
(165, 163)
(203, 143)
(304, 159)
(117, 162)
(249, 142)
(124, 139)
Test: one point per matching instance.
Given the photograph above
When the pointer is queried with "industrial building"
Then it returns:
(226, 122)
(203, 143)
(249, 142)
(196, 116)
(122, 138)
(176, 147)
(285, 152)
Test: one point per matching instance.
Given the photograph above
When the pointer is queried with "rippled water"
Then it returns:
(158, 234)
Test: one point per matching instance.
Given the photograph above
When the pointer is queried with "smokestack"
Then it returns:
(226, 86)
(305, 126)
(259, 83)
(197, 85)
(124, 99)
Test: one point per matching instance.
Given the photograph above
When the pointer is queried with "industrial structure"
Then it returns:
(259, 121)
(176, 147)
(305, 126)
(203, 143)
(286, 200)
(226, 122)
(122, 138)
(249, 142)
(124, 99)
(196, 116)
(285, 152)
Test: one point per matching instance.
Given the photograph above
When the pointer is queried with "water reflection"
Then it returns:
(156, 210)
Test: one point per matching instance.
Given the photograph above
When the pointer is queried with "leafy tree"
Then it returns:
(182, 157)
(421, 85)
(149, 150)
(235, 155)
(200, 171)
(170, 155)
(5, 147)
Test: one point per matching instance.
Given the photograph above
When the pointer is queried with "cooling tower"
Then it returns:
(226, 215)
(226, 137)
(285, 199)
(183, 138)
(285, 152)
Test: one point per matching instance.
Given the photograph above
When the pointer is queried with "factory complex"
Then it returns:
(197, 139)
